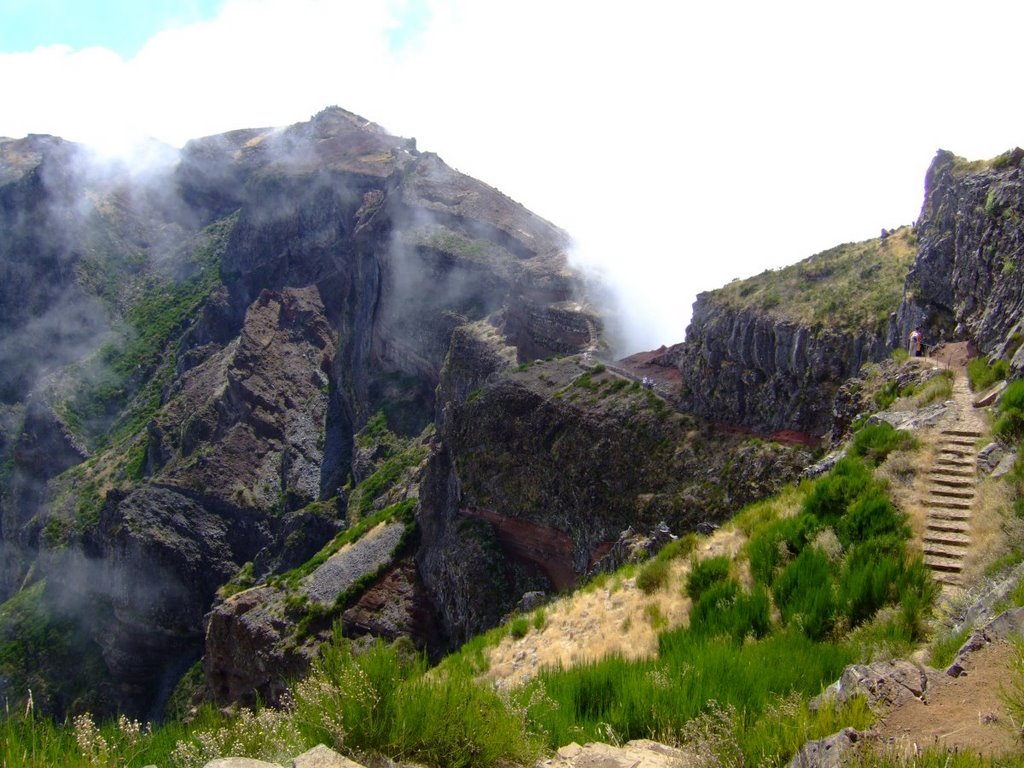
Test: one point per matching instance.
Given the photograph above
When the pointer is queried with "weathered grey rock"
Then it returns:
(828, 752)
(826, 464)
(989, 458)
(967, 280)
(928, 416)
(884, 683)
(322, 756)
(990, 395)
(748, 368)
(639, 753)
(345, 567)
(530, 600)
(240, 762)
(1000, 628)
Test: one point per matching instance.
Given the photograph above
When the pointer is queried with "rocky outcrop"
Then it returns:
(638, 753)
(749, 368)
(968, 279)
(544, 465)
(830, 752)
(269, 294)
(882, 684)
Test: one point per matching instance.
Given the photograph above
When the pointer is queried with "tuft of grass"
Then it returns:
(1012, 693)
(653, 575)
(518, 627)
(1010, 424)
(981, 374)
(876, 441)
(944, 647)
(705, 574)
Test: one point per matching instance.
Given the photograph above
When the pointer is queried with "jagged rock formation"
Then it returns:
(967, 281)
(545, 464)
(214, 335)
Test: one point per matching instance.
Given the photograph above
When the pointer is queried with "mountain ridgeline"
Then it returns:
(312, 377)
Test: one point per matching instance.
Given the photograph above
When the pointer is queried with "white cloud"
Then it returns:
(683, 144)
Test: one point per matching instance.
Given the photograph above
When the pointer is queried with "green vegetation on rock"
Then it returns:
(852, 287)
(120, 386)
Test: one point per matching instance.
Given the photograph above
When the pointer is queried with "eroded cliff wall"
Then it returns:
(968, 279)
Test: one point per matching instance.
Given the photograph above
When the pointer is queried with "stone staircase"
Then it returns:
(949, 500)
(950, 489)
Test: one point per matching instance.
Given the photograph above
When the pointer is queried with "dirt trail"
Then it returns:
(966, 713)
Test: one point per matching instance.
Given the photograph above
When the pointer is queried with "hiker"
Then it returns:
(917, 342)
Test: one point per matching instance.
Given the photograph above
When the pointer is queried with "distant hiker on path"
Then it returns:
(917, 342)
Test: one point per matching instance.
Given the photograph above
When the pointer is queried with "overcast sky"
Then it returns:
(681, 144)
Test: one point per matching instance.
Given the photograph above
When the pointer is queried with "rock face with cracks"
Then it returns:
(967, 282)
(235, 319)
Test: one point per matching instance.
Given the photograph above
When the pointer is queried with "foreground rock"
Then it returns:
(639, 753)
(830, 752)
(882, 684)
(318, 757)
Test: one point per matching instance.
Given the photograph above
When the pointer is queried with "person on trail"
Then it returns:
(917, 342)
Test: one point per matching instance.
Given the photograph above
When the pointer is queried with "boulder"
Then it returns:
(322, 756)
(240, 762)
(639, 753)
(829, 752)
(883, 684)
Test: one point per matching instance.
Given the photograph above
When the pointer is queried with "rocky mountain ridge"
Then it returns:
(312, 374)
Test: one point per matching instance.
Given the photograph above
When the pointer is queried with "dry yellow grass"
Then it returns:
(616, 618)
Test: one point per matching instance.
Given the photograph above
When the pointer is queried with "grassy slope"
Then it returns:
(850, 287)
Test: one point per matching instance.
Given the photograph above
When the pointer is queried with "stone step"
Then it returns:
(949, 451)
(956, 463)
(955, 515)
(947, 577)
(961, 433)
(953, 552)
(948, 526)
(965, 471)
(944, 504)
(959, 442)
(951, 482)
(946, 538)
(947, 564)
(945, 492)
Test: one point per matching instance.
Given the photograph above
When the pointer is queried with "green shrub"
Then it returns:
(680, 547)
(518, 627)
(706, 573)
(652, 576)
(869, 516)
(724, 609)
(869, 581)
(983, 375)
(775, 543)
(382, 701)
(1010, 424)
(804, 594)
(832, 495)
(876, 441)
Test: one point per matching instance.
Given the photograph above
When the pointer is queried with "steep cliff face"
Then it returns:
(544, 464)
(967, 281)
(768, 353)
(196, 351)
